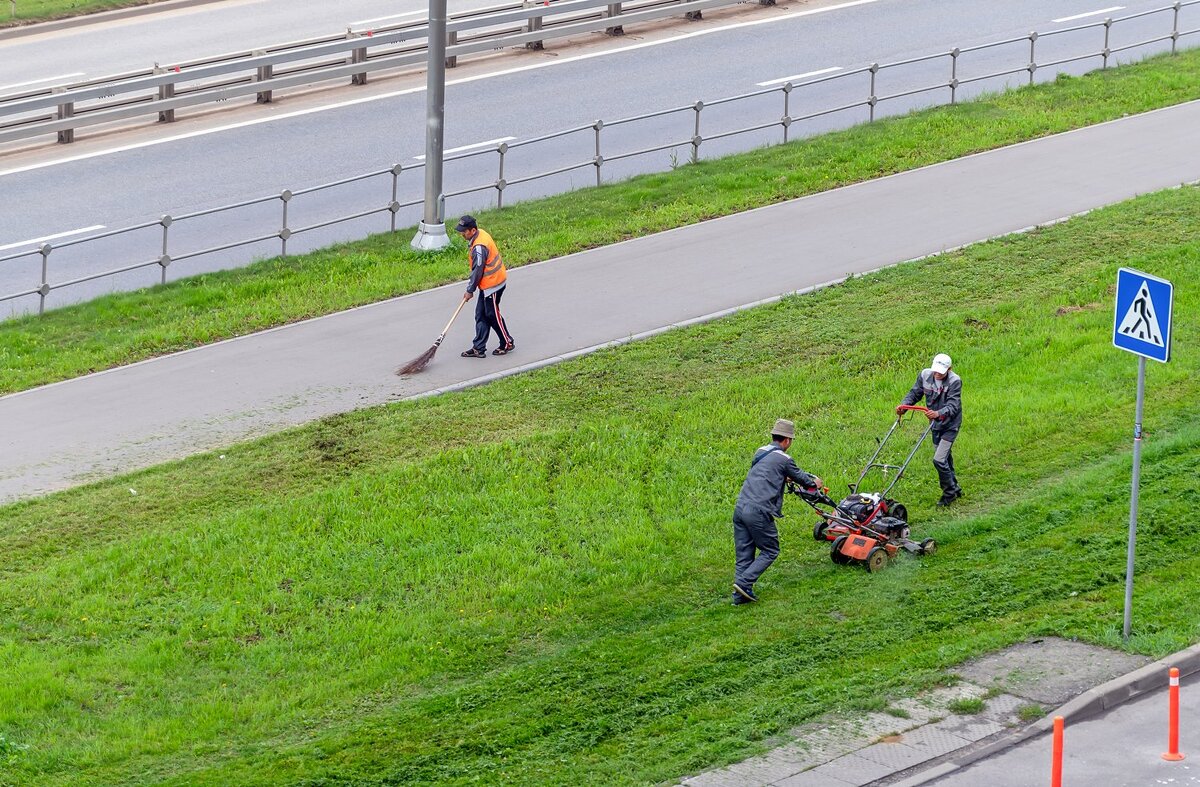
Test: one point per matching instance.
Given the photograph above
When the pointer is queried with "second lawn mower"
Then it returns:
(869, 528)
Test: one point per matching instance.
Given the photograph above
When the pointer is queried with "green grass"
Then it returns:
(1030, 712)
(42, 10)
(528, 582)
(120, 329)
(967, 706)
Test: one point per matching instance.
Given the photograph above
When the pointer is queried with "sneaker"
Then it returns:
(738, 600)
(473, 353)
(946, 499)
(504, 350)
(746, 593)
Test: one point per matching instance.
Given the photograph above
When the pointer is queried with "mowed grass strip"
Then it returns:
(529, 582)
(29, 11)
(120, 329)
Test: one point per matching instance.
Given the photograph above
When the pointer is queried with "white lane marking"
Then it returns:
(382, 96)
(1089, 13)
(39, 81)
(389, 16)
(483, 144)
(36, 241)
(798, 77)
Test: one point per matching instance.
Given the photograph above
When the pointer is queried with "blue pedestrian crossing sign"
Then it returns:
(1142, 322)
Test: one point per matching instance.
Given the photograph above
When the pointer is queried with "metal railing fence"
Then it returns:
(597, 155)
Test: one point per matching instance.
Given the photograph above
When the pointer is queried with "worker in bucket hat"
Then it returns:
(942, 390)
(759, 504)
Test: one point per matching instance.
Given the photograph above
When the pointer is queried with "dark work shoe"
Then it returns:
(473, 353)
(946, 499)
(738, 600)
(746, 593)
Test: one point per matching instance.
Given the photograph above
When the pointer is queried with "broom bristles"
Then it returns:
(417, 364)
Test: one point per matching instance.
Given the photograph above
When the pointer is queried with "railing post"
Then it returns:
(451, 40)
(1106, 51)
(614, 10)
(598, 160)
(1032, 58)
(165, 259)
(1175, 27)
(871, 100)
(65, 111)
(694, 16)
(44, 288)
(954, 75)
(394, 205)
(284, 232)
(502, 148)
(533, 25)
(696, 138)
(787, 113)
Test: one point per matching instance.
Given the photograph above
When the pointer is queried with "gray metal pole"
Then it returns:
(1133, 497)
(431, 232)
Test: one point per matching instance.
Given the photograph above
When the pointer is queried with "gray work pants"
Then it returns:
(943, 462)
(755, 544)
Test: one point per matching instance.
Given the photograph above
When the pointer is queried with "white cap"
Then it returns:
(941, 363)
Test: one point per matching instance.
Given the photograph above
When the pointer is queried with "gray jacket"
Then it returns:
(943, 395)
(763, 488)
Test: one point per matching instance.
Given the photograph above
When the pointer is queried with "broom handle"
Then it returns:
(454, 317)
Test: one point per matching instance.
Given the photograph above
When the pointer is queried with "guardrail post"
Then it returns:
(1175, 27)
(1032, 58)
(44, 287)
(65, 111)
(533, 25)
(696, 138)
(264, 74)
(284, 232)
(871, 100)
(766, 2)
(694, 16)
(598, 160)
(787, 113)
(502, 148)
(1106, 51)
(164, 92)
(358, 56)
(451, 40)
(614, 10)
(394, 205)
(954, 75)
(165, 259)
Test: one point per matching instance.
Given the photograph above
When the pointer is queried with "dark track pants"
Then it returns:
(488, 318)
(755, 544)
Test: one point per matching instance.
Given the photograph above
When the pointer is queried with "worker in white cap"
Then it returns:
(759, 504)
(942, 390)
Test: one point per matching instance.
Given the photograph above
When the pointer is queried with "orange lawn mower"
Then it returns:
(869, 528)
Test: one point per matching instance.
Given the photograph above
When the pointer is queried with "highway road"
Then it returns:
(117, 421)
(108, 181)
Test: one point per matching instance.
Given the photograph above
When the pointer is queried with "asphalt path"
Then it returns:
(307, 141)
(1122, 748)
(170, 407)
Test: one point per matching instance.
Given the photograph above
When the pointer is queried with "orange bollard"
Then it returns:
(1056, 761)
(1173, 752)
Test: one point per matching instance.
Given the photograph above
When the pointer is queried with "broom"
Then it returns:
(421, 361)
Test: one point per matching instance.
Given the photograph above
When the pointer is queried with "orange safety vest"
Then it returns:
(494, 273)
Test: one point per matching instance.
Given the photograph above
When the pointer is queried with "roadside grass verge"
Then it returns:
(120, 329)
(30, 11)
(421, 594)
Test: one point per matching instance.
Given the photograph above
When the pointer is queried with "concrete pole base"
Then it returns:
(430, 237)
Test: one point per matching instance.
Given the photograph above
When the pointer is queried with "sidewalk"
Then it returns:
(125, 419)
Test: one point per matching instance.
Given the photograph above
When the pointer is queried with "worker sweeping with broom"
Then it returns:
(489, 276)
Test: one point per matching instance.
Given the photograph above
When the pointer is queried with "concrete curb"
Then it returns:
(35, 28)
(1092, 702)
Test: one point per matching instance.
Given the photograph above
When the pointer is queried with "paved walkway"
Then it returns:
(133, 417)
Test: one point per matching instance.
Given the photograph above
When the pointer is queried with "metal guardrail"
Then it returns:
(163, 90)
(597, 157)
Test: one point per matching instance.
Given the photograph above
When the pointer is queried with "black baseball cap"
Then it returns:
(466, 223)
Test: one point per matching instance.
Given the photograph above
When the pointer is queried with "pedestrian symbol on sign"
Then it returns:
(1141, 321)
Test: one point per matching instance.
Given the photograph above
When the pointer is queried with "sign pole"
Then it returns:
(1133, 495)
